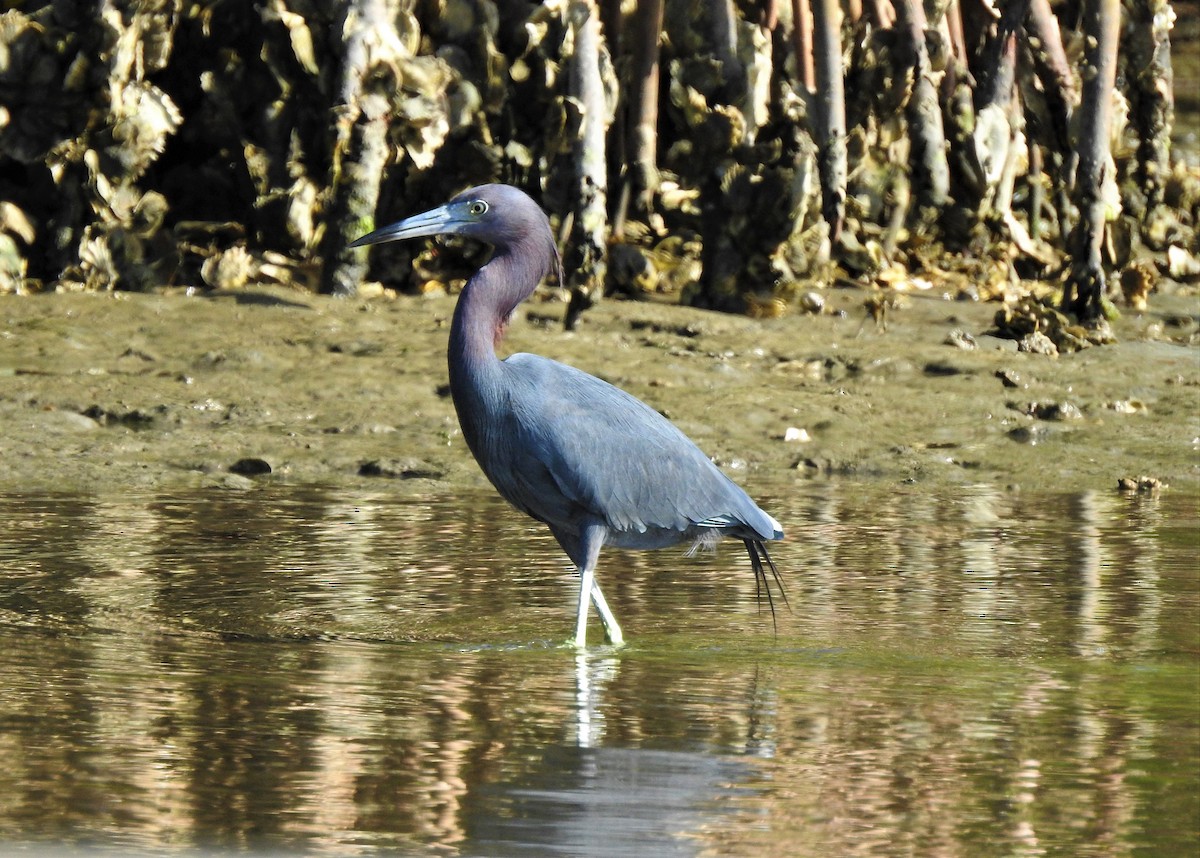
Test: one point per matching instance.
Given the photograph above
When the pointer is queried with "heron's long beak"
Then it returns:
(440, 221)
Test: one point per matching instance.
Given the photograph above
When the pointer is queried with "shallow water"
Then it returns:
(980, 672)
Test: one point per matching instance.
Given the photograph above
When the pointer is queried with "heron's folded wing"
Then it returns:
(586, 444)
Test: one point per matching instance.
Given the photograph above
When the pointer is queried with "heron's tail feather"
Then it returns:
(760, 562)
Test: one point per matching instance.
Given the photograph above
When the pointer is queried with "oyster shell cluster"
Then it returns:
(172, 143)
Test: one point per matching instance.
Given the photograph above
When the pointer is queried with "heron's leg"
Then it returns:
(612, 631)
(586, 578)
(591, 539)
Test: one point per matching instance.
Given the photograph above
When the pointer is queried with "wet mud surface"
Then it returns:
(100, 391)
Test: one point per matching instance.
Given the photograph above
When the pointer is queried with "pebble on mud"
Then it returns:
(356, 348)
(135, 418)
(1127, 406)
(403, 469)
(1142, 485)
(961, 339)
(1010, 378)
(1031, 435)
(235, 482)
(1051, 410)
(1182, 265)
(1037, 343)
(53, 420)
(812, 302)
(250, 467)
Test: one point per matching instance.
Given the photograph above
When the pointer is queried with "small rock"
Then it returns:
(992, 342)
(1031, 435)
(250, 467)
(1127, 406)
(793, 433)
(68, 421)
(812, 302)
(1037, 343)
(815, 368)
(1182, 265)
(233, 481)
(403, 469)
(1140, 485)
(824, 466)
(135, 418)
(1009, 378)
(1052, 411)
(960, 339)
(373, 289)
(887, 367)
(356, 348)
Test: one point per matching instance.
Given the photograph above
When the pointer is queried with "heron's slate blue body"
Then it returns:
(594, 463)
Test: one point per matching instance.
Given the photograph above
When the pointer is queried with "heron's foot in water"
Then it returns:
(609, 643)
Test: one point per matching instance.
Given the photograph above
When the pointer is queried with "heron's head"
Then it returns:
(499, 215)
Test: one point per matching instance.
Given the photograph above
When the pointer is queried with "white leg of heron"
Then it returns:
(612, 631)
(587, 579)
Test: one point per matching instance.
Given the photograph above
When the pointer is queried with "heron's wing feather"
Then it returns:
(586, 448)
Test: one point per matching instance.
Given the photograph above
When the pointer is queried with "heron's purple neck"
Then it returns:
(482, 314)
(479, 321)
(477, 382)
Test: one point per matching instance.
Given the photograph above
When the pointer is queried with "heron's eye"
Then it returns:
(478, 208)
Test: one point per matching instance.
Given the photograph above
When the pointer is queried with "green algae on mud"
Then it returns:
(104, 391)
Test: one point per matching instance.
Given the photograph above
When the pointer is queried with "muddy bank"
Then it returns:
(101, 392)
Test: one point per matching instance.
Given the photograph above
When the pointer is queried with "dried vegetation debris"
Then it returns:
(201, 145)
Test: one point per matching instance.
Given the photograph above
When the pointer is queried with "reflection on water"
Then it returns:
(346, 673)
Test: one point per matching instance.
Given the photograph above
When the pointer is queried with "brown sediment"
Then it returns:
(100, 392)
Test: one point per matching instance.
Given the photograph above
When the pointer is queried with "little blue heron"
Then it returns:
(596, 465)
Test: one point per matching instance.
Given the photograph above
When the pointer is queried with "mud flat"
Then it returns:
(113, 392)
